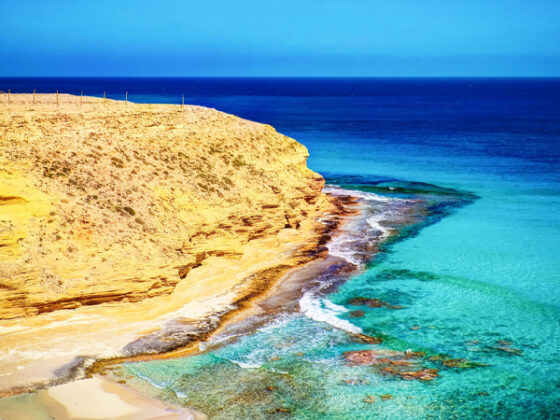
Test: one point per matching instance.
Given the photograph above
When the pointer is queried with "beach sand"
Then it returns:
(97, 398)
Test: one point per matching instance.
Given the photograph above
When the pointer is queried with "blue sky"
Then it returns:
(280, 38)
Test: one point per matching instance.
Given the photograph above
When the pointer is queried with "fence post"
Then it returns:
(33, 96)
(104, 97)
(183, 103)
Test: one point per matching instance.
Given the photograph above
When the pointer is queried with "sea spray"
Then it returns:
(323, 310)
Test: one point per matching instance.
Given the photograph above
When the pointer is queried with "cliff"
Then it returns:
(116, 218)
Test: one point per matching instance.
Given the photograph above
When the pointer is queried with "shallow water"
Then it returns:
(296, 367)
(471, 281)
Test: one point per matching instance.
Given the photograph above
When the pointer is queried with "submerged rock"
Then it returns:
(285, 410)
(372, 303)
(409, 354)
(461, 363)
(369, 399)
(367, 339)
(355, 381)
(423, 374)
(362, 301)
(508, 349)
(364, 357)
(438, 357)
(369, 357)
(398, 364)
(504, 342)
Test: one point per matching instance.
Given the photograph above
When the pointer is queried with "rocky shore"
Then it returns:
(134, 229)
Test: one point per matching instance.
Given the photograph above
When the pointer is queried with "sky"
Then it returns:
(280, 38)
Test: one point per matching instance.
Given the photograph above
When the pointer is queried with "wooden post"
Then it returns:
(57, 97)
(8, 95)
(33, 96)
(183, 104)
(126, 100)
(104, 98)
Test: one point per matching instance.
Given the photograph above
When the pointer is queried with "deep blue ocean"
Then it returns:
(480, 282)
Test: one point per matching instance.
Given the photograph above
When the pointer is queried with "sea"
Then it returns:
(458, 180)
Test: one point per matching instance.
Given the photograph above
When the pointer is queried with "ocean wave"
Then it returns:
(246, 365)
(342, 247)
(323, 310)
(151, 381)
(377, 211)
(375, 222)
(367, 196)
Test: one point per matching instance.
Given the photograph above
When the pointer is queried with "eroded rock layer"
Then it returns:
(106, 207)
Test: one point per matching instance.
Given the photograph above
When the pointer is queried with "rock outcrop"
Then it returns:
(106, 207)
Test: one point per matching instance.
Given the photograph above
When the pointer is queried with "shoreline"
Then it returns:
(260, 287)
(99, 398)
(281, 297)
(70, 390)
(271, 282)
(247, 305)
(126, 243)
(315, 279)
(280, 293)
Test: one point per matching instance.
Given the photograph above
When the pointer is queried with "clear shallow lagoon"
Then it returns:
(486, 274)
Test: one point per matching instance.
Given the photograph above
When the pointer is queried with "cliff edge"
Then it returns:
(119, 217)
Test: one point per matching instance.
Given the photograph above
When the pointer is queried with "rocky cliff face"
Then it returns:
(116, 219)
(113, 203)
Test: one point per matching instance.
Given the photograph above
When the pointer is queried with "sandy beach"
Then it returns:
(96, 399)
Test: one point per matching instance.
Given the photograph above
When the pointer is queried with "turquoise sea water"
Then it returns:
(482, 284)
(479, 282)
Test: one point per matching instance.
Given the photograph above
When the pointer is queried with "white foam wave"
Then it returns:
(375, 222)
(368, 196)
(151, 381)
(323, 310)
(341, 246)
(245, 365)
(224, 338)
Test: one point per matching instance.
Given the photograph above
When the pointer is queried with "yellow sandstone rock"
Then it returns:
(115, 218)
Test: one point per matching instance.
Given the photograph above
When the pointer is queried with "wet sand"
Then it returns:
(96, 398)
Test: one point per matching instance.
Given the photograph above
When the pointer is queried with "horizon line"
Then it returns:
(283, 77)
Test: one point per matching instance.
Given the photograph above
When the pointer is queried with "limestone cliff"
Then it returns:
(119, 203)
(105, 203)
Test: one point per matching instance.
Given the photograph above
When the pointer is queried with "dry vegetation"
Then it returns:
(101, 203)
